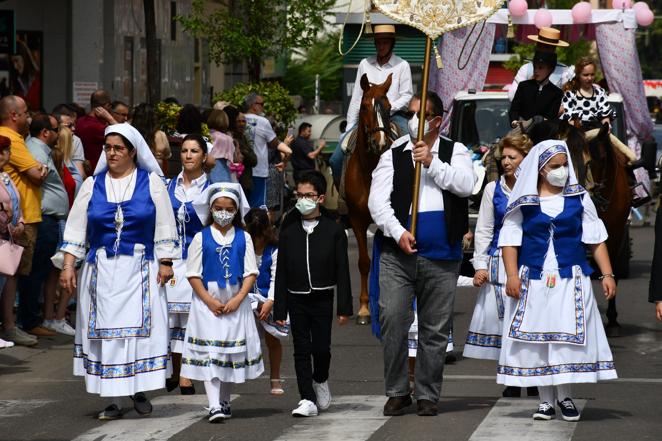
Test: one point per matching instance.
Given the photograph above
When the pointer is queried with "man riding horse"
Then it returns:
(378, 68)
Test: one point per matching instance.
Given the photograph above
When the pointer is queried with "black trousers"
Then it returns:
(655, 288)
(311, 317)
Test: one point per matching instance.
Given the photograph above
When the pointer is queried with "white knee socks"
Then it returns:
(549, 394)
(546, 394)
(563, 391)
(213, 390)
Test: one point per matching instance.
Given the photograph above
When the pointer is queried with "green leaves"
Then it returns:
(251, 30)
(277, 102)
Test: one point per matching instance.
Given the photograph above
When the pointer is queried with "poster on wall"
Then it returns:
(7, 48)
(26, 68)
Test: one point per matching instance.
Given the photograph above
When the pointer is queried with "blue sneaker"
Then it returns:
(545, 412)
(568, 410)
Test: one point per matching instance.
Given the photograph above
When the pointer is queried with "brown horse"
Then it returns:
(613, 199)
(373, 137)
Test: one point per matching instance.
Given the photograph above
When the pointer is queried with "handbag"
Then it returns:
(10, 256)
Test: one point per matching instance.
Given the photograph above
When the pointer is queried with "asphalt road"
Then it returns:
(41, 400)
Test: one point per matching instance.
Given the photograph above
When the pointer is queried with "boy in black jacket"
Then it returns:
(312, 260)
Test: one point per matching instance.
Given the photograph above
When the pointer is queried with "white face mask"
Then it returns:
(222, 217)
(558, 176)
(413, 127)
(306, 206)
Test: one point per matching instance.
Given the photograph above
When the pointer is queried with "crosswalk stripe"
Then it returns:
(17, 408)
(350, 418)
(172, 414)
(510, 420)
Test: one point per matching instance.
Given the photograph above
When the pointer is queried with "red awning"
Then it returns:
(497, 75)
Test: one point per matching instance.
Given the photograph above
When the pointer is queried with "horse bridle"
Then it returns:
(386, 128)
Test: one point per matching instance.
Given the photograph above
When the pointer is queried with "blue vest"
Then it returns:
(500, 202)
(223, 264)
(264, 278)
(139, 219)
(192, 221)
(567, 236)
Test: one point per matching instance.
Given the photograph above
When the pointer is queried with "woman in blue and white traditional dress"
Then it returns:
(552, 334)
(123, 215)
(222, 345)
(183, 190)
(484, 336)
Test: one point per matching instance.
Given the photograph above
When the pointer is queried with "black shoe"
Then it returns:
(532, 391)
(450, 358)
(426, 408)
(171, 384)
(187, 390)
(141, 404)
(111, 412)
(568, 410)
(396, 406)
(215, 416)
(545, 412)
(512, 392)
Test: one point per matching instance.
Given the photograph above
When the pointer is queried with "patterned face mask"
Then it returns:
(222, 217)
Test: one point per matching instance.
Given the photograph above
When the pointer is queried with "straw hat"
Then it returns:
(383, 31)
(549, 36)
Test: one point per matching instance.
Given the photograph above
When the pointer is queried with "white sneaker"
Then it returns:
(306, 408)
(48, 324)
(6, 344)
(323, 394)
(62, 327)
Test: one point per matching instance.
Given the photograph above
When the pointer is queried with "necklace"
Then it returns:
(119, 213)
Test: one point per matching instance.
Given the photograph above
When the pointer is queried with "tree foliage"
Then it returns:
(277, 102)
(566, 55)
(247, 31)
(321, 58)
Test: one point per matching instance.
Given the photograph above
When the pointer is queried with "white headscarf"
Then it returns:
(146, 159)
(220, 189)
(525, 191)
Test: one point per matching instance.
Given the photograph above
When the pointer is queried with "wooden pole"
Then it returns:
(421, 132)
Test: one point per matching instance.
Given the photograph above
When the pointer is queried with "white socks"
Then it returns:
(563, 391)
(217, 392)
(213, 390)
(547, 393)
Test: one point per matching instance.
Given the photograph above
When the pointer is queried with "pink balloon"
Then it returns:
(581, 13)
(542, 19)
(644, 17)
(620, 4)
(518, 8)
(640, 5)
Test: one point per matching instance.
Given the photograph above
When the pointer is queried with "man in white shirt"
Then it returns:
(262, 137)
(378, 68)
(424, 267)
(547, 40)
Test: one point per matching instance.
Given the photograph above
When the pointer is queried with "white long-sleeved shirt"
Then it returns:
(485, 224)
(457, 177)
(399, 94)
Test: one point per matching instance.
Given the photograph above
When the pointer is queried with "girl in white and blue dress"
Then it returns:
(183, 190)
(484, 336)
(123, 215)
(262, 296)
(221, 345)
(552, 331)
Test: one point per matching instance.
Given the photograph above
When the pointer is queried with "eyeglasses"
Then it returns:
(410, 114)
(116, 148)
(53, 129)
(306, 195)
